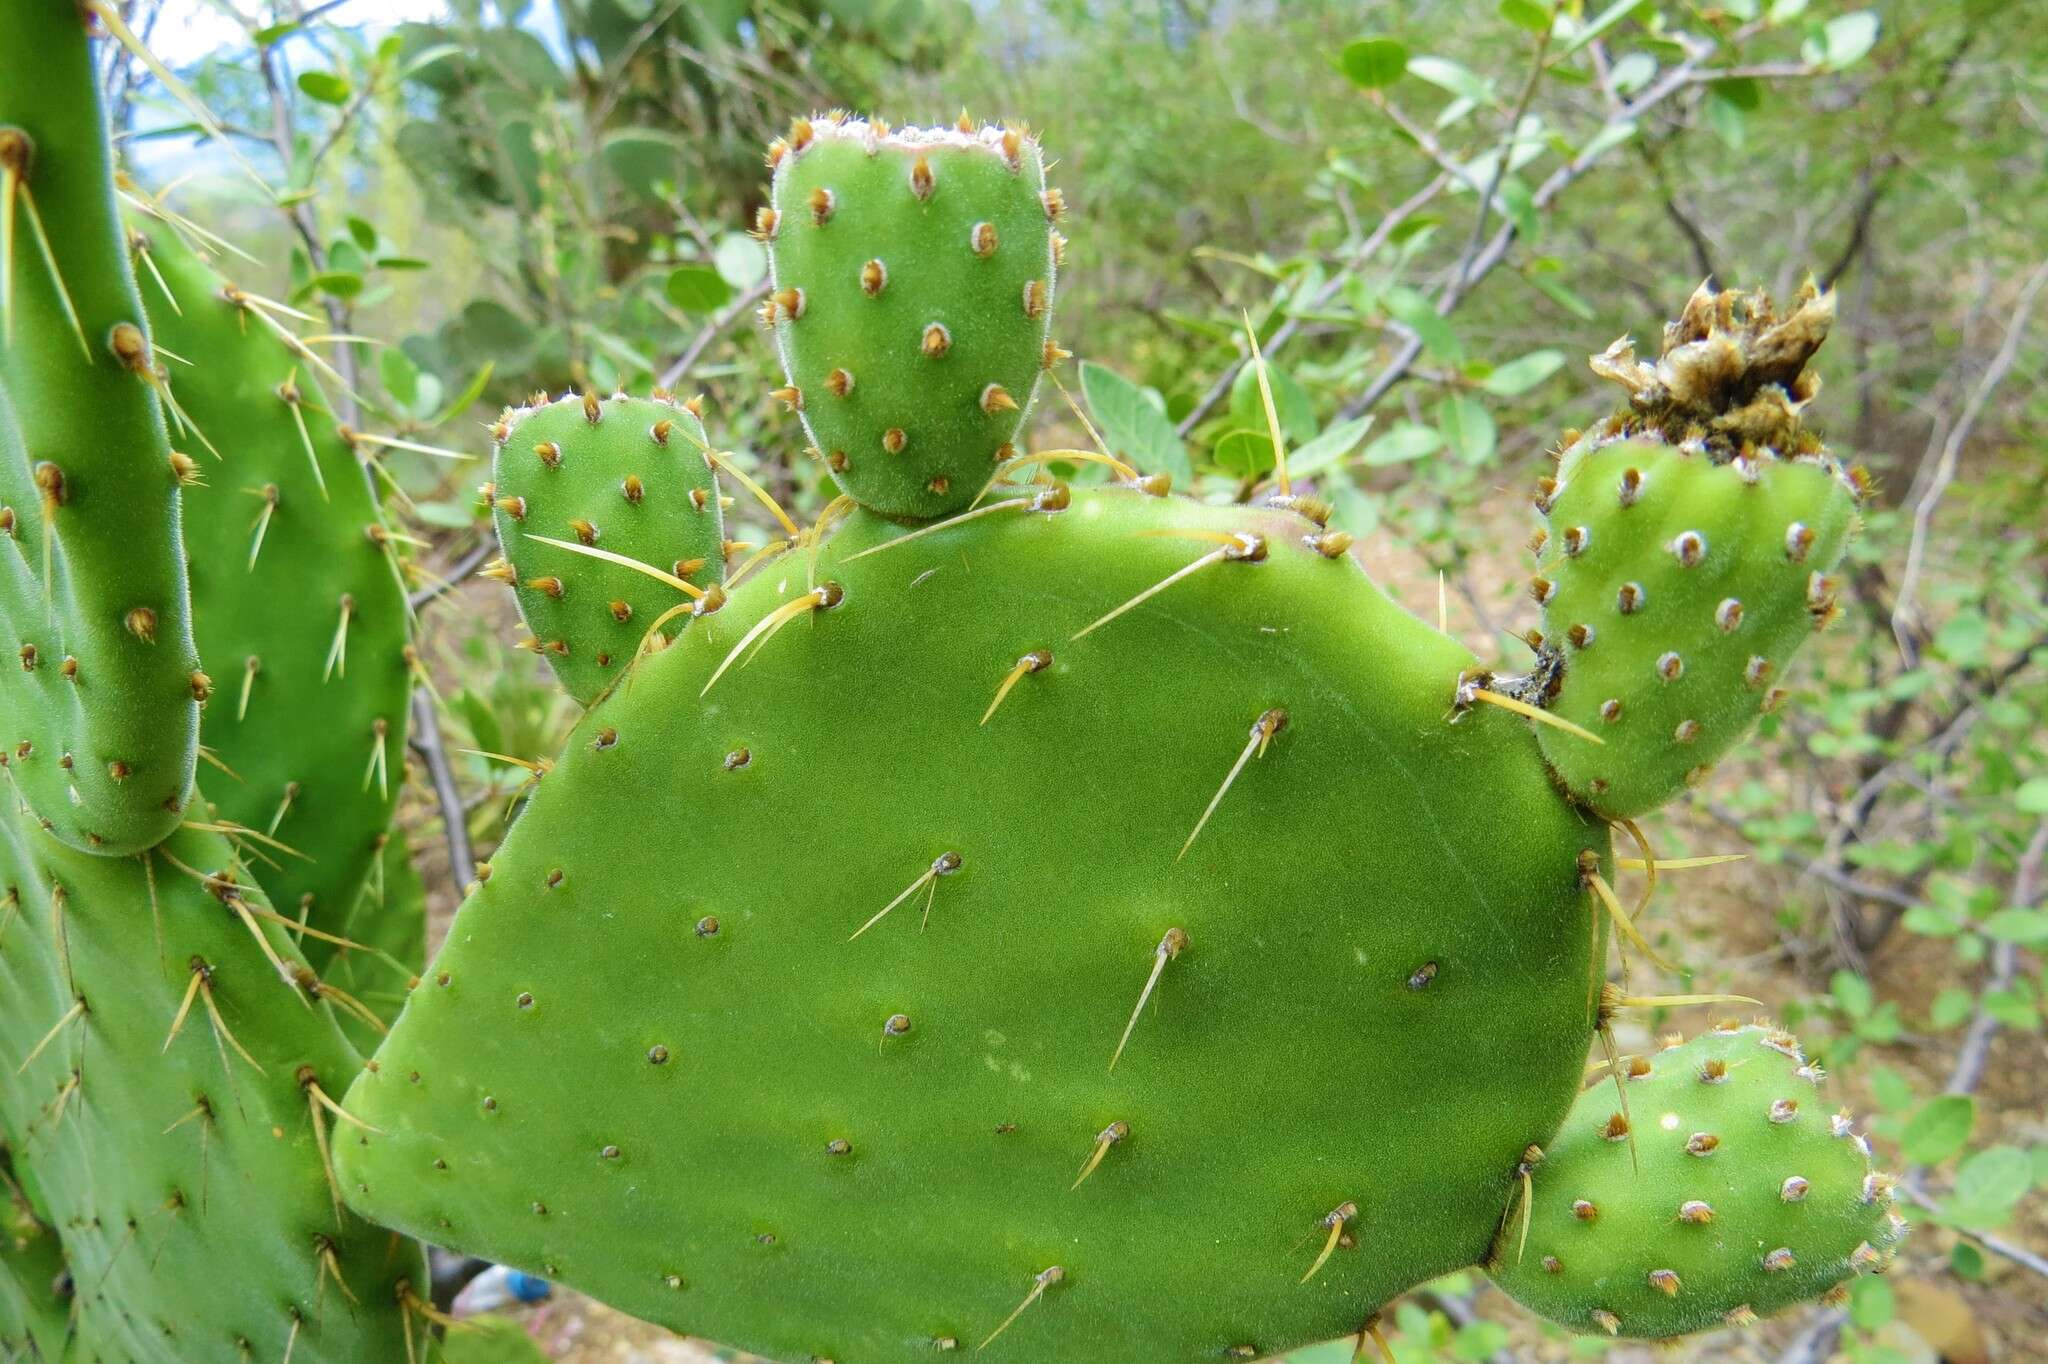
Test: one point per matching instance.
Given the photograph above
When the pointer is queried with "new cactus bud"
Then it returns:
(1690, 534)
(1742, 1196)
(920, 260)
(609, 516)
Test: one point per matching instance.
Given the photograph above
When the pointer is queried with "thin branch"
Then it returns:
(712, 330)
(2026, 893)
(456, 574)
(1287, 330)
(426, 741)
(1905, 623)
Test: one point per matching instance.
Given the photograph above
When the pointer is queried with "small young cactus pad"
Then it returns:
(102, 700)
(626, 477)
(932, 860)
(912, 301)
(1742, 1195)
(1687, 549)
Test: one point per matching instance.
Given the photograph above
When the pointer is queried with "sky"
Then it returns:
(191, 29)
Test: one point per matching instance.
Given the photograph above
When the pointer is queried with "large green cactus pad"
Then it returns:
(653, 1060)
(913, 279)
(623, 476)
(186, 1183)
(99, 713)
(1687, 546)
(1741, 1197)
(296, 600)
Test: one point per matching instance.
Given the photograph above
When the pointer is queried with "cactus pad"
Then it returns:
(296, 599)
(1687, 549)
(1354, 986)
(913, 279)
(624, 476)
(1750, 1196)
(164, 1088)
(100, 714)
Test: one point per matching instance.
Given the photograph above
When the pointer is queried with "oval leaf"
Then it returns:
(697, 288)
(1374, 63)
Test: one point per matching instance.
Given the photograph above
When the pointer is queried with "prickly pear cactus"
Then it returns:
(591, 1045)
(912, 300)
(296, 598)
(1687, 547)
(172, 1096)
(621, 478)
(1096, 925)
(100, 716)
(1728, 1192)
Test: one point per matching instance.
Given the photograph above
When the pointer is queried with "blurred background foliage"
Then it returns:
(1431, 212)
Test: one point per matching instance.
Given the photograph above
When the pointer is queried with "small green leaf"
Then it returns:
(400, 375)
(697, 288)
(2032, 797)
(1405, 441)
(1328, 448)
(1526, 14)
(1852, 992)
(1847, 38)
(1744, 92)
(1988, 1185)
(264, 37)
(1560, 295)
(1374, 63)
(1632, 73)
(1244, 453)
(324, 86)
(1521, 375)
(1967, 1261)
(1950, 1007)
(1291, 403)
(741, 260)
(362, 232)
(1467, 427)
(1446, 74)
(1939, 1129)
(339, 283)
(466, 397)
(1136, 428)
(2027, 927)
(1478, 1340)
(1600, 23)
(1870, 1302)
